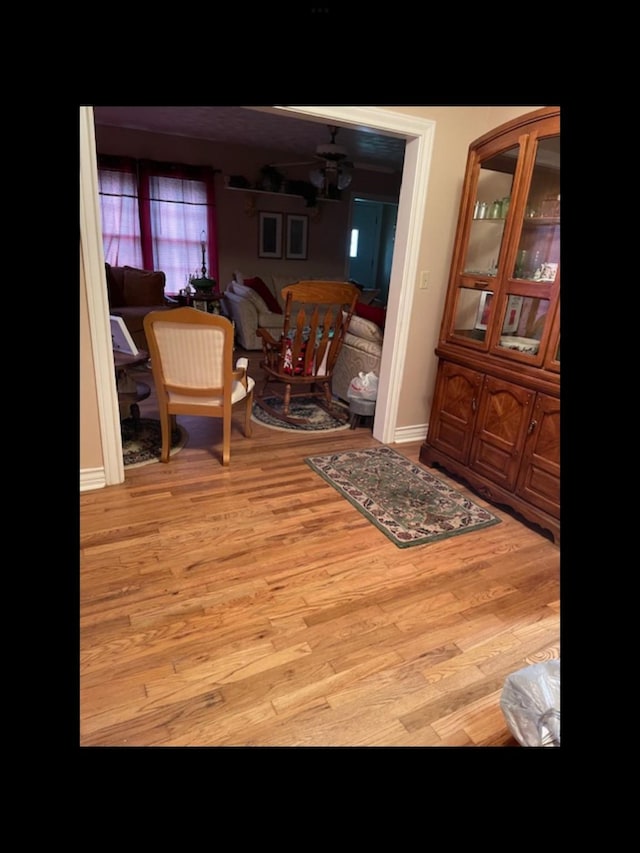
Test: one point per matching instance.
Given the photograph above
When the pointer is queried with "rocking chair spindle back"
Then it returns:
(316, 317)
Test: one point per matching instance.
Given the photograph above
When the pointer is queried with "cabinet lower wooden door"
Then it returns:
(501, 429)
(539, 480)
(454, 409)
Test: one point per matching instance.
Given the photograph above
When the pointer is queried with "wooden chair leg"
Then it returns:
(286, 400)
(226, 440)
(166, 421)
(248, 429)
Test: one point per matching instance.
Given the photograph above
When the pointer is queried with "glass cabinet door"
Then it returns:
(538, 255)
(481, 258)
(495, 181)
(524, 321)
(509, 263)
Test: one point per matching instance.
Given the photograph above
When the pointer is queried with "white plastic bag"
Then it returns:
(364, 386)
(530, 702)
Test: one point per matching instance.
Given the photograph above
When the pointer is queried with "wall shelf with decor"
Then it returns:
(251, 192)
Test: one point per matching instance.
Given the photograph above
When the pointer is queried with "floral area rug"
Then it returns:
(402, 499)
(319, 420)
(142, 445)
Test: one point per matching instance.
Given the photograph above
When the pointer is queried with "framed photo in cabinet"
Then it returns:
(512, 317)
(484, 309)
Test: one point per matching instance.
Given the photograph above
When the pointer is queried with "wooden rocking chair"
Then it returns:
(316, 316)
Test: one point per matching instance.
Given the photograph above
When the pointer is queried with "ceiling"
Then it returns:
(295, 138)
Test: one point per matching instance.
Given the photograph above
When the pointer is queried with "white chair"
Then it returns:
(192, 362)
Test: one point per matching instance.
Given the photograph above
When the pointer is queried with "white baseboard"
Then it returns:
(410, 433)
(92, 478)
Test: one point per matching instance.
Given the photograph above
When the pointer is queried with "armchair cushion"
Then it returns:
(262, 290)
(248, 293)
(363, 345)
(280, 281)
(366, 329)
(142, 287)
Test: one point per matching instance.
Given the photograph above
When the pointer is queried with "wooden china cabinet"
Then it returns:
(495, 419)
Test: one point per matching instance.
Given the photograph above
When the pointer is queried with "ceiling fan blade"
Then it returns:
(284, 165)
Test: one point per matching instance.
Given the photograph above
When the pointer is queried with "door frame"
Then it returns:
(418, 134)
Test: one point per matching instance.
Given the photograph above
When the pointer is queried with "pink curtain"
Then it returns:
(155, 216)
(120, 212)
(178, 213)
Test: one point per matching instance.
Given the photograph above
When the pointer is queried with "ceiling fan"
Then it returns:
(331, 170)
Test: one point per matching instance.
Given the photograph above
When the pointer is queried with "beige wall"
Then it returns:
(455, 128)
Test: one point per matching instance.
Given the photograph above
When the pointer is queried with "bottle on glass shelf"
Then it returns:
(522, 264)
(537, 266)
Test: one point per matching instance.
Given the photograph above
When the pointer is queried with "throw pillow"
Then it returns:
(374, 313)
(262, 290)
(115, 285)
(250, 295)
(143, 287)
(365, 329)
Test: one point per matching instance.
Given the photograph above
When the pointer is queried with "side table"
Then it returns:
(208, 302)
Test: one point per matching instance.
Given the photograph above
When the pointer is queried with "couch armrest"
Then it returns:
(245, 319)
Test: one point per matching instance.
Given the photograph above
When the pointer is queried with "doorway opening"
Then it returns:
(418, 133)
(372, 235)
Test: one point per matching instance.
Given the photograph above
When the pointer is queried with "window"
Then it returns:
(178, 212)
(156, 215)
(353, 246)
(120, 217)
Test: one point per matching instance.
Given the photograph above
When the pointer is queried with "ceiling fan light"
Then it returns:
(316, 176)
(344, 179)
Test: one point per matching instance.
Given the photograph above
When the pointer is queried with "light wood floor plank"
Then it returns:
(254, 606)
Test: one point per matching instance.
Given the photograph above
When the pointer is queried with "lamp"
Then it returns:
(202, 283)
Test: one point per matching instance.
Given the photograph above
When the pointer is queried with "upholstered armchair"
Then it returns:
(132, 294)
(361, 350)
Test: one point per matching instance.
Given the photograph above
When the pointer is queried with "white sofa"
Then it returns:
(248, 310)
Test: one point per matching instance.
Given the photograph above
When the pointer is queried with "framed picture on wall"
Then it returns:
(270, 235)
(297, 237)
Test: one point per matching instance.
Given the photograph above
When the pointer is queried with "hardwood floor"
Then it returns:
(253, 606)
